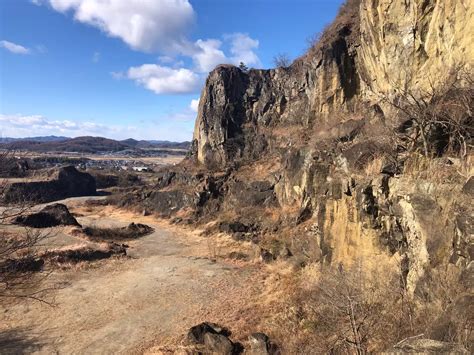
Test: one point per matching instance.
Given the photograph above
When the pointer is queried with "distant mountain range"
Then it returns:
(34, 139)
(85, 144)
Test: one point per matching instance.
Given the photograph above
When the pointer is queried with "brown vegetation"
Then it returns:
(132, 231)
(338, 310)
(19, 260)
(440, 119)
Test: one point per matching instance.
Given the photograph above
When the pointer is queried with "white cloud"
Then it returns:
(243, 49)
(21, 125)
(208, 54)
(177, 126)
(165, 59)
(143, 24)
(14, 48)
(96, 57)
(194, 105)
(165, 80)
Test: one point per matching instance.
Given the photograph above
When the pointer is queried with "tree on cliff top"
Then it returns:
(243, 67)
(282, 60)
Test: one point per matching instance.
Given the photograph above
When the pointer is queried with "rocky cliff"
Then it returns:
(314, 161)
(327, 123)
(374, 49)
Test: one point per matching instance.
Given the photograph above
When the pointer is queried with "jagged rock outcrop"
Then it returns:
(323, 120)
(66, 182)
(372, 50)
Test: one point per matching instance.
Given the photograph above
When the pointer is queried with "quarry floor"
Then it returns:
(143, 303)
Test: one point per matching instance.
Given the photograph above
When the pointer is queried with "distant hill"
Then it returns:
(169, 144)
(34, 139)
(85, 144)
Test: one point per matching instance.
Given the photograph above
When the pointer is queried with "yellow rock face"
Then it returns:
(413, 43)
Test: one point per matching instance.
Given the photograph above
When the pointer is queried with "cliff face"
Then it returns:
(234, 104)
(406, 44)
(373, 49)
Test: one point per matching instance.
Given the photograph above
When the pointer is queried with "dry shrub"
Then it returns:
(421, 167)
(344, 311)
(445, 307)
(348, 15)
(213, 248)
(334, 310)
(439, 119)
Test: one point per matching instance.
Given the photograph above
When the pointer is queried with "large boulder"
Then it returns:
(50, 216)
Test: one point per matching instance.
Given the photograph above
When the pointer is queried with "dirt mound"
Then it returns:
(132, 231)
(50, 216)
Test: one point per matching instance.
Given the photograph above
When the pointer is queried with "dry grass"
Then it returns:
(374, 166)
(132, 231)
(442, 170)
(259, 170)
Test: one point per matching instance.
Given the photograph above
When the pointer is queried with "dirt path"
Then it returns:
(126, 305)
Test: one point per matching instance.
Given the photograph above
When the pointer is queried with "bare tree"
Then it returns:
(313, 39)
(347, 311)
(21, 270)
(438, 118)
(282, 60)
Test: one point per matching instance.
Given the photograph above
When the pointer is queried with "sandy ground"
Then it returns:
(169, 282)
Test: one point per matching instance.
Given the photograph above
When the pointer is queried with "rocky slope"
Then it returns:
(339, 91)
(305, 161)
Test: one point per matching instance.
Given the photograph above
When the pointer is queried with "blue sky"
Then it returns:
(134, 68)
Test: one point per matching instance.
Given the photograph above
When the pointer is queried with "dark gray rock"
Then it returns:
(235, 227)
(50, 216)
(218, 344)
(266, 256)
(196, 334)
(169, 202)
(260, 344)
(257, 193)
(468, 187)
